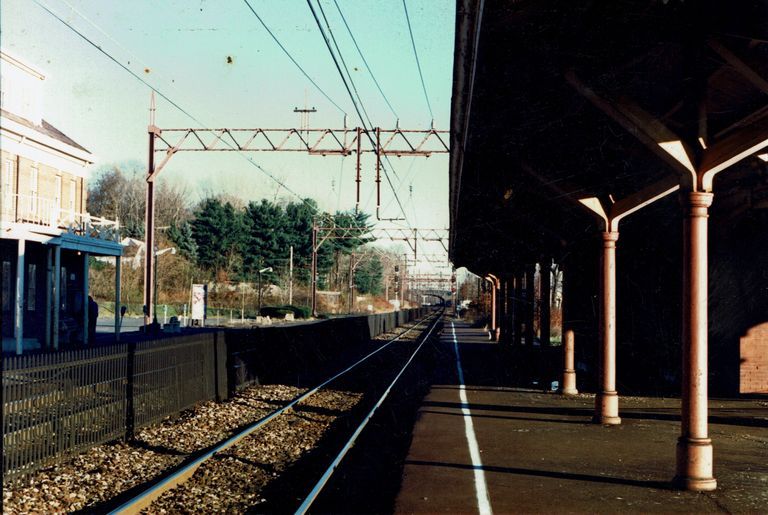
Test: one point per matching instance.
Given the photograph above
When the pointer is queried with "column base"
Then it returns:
(694, 465)
(569, 383)
(607, 409)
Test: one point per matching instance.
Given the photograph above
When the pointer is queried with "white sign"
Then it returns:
(199, 301)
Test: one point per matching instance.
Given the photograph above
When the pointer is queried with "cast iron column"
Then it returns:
(530, 304)
(20, 290)
(492, 328)
(546, 302)
(569, 373)
(86, 306)
(56, 294)
(607, 399)
(694, 447)
(519, 309)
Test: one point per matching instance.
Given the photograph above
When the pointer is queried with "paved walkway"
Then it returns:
(485, 448)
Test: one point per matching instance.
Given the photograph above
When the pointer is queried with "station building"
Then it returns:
(46, 233)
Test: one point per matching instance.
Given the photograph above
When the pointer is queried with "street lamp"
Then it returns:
(267, 269)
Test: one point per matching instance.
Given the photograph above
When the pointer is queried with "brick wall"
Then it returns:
(754, 360)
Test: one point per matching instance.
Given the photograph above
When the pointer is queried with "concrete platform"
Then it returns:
(538, 452)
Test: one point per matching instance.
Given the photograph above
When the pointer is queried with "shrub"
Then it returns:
(281, 311)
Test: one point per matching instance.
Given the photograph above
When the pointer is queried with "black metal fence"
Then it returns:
(59, 403)
(65, 402)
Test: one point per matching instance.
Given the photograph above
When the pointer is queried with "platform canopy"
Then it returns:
(556, 102)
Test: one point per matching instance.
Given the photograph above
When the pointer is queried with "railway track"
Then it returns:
(233, 475)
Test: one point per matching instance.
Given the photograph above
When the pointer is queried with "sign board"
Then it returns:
(199, 301)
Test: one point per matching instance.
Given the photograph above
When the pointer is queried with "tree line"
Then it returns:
(226, 239)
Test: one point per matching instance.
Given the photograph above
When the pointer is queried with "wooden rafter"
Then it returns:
(648, 130)
(739, 65)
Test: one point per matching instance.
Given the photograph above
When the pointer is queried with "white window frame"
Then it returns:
(57, 192)
(72, 195)
(8, 177)
(33, 188)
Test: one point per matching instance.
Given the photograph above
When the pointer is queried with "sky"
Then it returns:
(183, 48)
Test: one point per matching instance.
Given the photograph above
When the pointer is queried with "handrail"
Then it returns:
(43, 211)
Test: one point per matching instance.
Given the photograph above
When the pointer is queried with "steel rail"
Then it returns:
(335, 463)
(146, 497)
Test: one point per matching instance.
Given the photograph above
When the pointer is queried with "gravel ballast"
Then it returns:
(105, 471)
(231, 481)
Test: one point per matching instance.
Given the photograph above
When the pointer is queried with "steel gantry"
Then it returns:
(323, 142)
(411, 236)
(322, 233)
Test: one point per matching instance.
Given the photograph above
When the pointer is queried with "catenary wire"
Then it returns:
(367, 67)
(357, 109)
(418, 63)
(291, 57)
(352, 83)
(169, 100)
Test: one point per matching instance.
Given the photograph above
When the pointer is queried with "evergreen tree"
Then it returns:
(298, 229)
(181, 236)
(218, 231)
(368, 277)
(267, 236)
(355, 238)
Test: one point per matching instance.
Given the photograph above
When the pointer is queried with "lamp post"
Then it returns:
(267, 269)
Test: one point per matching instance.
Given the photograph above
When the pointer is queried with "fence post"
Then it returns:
(130, 414)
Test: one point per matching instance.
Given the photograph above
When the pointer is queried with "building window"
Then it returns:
(33, 189)
(6, 285)
(7, 198)
(31, 286)
(7, 178)
(72, 190)
(57, 193)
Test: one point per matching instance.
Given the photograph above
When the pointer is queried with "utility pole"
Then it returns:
(351, 281)
(149, 219)
(290, 277)
(314, 269)
(304, 117)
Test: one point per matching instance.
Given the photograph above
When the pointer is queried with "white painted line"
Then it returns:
(481, 489)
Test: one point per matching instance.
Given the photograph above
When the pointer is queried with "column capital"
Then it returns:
(696, 201)
(610, 238)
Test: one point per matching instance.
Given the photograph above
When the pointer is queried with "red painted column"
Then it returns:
(530, 304)
(569, 373)
(492, 327)
(545, 306)
(607, 399)
(694, 447)
(502, 305)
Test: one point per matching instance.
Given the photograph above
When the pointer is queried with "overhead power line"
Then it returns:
(291, 57)
(354, 88)
(352, 98)
(418, 63)
(367, 67)
(166, 98)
